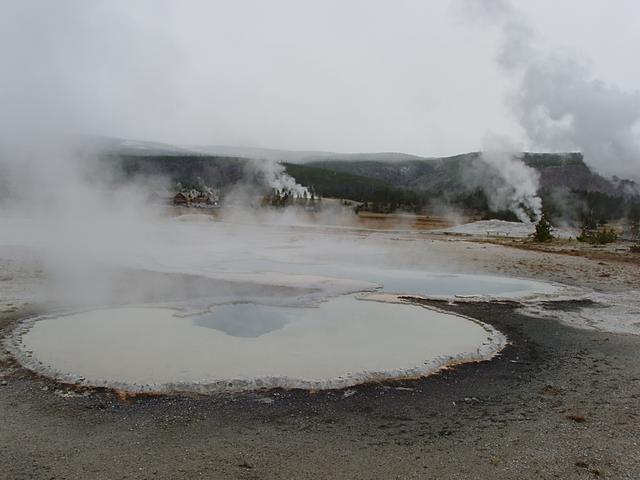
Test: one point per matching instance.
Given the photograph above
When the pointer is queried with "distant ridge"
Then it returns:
(299, 156)
(122, 146)
(290, 156)
(433, 176)
(447, 174)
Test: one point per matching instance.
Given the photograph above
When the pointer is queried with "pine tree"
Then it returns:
(543, 231)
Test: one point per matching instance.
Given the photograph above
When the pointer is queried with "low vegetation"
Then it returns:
(633, 227)
(543, 230)
(598, 236)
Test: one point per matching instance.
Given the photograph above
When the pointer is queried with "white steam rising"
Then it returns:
(274, 175)
(507, 182)
(557, 102)
(61, 204)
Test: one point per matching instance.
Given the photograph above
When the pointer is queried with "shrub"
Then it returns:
(543, 231)
(598, 236)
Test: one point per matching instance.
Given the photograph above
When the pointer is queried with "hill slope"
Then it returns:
(569, 188)
(448, 174)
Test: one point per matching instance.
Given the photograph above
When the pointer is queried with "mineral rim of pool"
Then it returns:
(341, 342)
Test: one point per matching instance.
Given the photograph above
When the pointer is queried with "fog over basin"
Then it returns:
(198, 310)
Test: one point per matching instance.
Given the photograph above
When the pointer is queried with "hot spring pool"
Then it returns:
(340, 342)
(391, 280)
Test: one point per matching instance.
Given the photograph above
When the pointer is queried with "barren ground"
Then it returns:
(560, 402)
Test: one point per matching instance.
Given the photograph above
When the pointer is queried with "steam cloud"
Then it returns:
(64, 205)
(557, 102)
(507, 182)
(273, 174)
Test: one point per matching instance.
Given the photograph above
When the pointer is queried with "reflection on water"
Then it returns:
(243, 319)
(342, 341)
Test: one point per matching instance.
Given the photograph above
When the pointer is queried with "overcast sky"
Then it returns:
(408, 76)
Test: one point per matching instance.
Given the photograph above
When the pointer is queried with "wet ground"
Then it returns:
(260, 318)
(558, 403)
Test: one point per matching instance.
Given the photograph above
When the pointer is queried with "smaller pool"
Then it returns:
(341, 342)
(404, 281)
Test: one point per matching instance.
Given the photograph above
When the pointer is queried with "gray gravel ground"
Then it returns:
(558, 403)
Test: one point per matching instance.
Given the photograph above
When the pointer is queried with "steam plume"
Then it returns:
(557, 102)
(273, 174)
(507, 182)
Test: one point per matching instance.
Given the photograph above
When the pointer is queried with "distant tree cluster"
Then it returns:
(633, 223)
(374, 195)
(598, 236)
(218, 172)
(285, 197)
(579, 207)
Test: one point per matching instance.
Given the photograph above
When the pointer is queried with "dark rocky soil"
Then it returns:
(558, 403)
